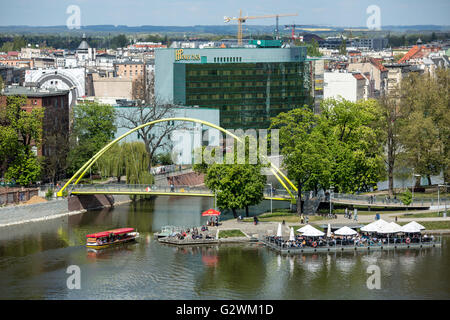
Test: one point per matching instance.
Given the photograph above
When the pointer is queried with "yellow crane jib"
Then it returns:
(242, 19)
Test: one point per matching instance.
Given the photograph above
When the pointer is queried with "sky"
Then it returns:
(351, 13)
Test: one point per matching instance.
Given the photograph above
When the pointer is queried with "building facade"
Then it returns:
(56, 111)
(247, 85)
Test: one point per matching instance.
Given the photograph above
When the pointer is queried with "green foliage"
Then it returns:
(313, 49)
(119, 41)
(343, 47)
(237, 186)
(94, 127)
(128, 159)
(163, 159)
(406, 197)
(49, 194)
(25, 169)
(1, 83)
(339, 147)
(425, 131)
(18, 130)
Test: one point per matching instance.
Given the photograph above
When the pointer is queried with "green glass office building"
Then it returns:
(247, 85)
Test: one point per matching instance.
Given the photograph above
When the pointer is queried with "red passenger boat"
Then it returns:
(109, 238)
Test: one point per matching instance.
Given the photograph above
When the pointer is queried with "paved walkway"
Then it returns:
(266, 228)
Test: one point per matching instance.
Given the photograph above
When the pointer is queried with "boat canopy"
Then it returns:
(107, 233)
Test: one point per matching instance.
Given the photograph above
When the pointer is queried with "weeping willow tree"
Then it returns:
(128, 159)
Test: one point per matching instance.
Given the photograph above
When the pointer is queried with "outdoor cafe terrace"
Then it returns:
(377, 235)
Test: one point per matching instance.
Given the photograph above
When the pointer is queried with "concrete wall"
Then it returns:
(120, 88)
(25, 213)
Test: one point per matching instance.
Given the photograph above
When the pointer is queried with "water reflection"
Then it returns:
(34, 259)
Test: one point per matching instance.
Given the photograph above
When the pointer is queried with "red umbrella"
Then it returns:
(210, 212)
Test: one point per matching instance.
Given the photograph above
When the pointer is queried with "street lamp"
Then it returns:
(439, 203)
(271, 196)
(413, 185)
(331, 190)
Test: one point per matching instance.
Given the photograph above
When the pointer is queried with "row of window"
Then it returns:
(257, 95)
(242, 84)
(241, 72)
(227, 59)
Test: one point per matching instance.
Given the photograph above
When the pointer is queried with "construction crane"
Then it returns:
(293, 37)
(242, 19)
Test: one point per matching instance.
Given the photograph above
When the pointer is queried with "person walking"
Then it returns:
(356, 214)
(302, 219)
(346, 213)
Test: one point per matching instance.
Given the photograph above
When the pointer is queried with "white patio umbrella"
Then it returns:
(396, 226)
(291, 235)
(410, 228)
(388, 229)
(421, 227)
(305, 228)
(329, 231)
(374, 226)
(345, 231)
(279, 234)
(313, 232)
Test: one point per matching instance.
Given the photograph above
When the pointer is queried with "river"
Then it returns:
(34, 258)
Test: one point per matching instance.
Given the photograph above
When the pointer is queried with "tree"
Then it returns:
(426, 134)
(119, 41)
(55, 162)
(354, 142)
(19, 130)
(389, 122)
(94, 126)
(156, 136)
(306, 154)
(237, 186)
(337, 148)
(343, 47)
(313, 49)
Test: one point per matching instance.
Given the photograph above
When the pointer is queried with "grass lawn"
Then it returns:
(432, 225)
(279, 215)
(423, 215)
(230, 233)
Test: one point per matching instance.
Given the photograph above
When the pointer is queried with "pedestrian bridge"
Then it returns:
(337, 199)
(153, 190)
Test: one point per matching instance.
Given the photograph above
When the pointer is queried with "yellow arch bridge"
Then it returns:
(75, 188)
(149, 190)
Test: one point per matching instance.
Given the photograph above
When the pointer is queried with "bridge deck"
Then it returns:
(201, 191)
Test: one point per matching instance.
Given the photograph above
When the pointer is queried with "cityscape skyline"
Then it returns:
(351, 13)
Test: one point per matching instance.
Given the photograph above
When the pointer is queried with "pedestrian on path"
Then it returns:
(302, 219)
(346, 213)
(356, 214)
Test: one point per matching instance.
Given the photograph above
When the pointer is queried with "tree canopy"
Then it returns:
(94, 126)
(19, 130)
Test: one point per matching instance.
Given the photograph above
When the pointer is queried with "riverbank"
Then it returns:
(29, 213)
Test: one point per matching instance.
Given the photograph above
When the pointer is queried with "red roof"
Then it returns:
(358, 76)
(410, 54)
(107, 233)
(378, 65)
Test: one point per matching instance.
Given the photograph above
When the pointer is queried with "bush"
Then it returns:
(406, 197)
(49, 194)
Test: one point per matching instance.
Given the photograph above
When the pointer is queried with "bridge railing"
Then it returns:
(385, 200)
(120, 187)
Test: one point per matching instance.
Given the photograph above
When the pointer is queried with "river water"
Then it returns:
(34, 259)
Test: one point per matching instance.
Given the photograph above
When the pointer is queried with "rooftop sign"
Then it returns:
(180, 56)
